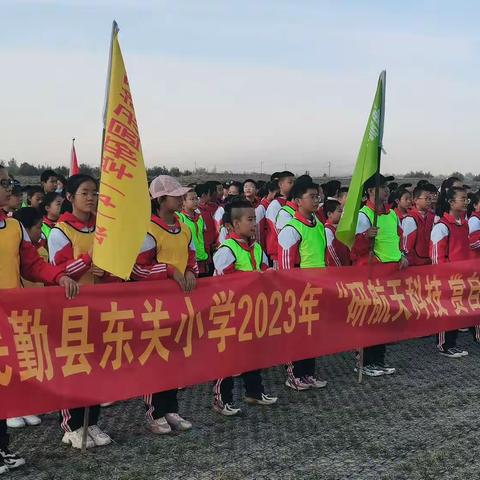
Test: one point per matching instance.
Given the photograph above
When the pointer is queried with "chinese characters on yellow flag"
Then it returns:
(124, 204)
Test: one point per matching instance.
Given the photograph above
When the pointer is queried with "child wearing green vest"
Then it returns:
(386, 238)
(302, 243)
(240, 253)
(50, 209)
(192, 218)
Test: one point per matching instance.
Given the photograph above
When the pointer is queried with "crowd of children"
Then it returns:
(47, 232)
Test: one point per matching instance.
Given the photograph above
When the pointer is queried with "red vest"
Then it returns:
(458, 247)
(424, 229)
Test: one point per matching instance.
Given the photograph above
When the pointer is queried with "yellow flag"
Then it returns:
(123, 210)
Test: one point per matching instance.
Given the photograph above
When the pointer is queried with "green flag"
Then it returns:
(368, 163)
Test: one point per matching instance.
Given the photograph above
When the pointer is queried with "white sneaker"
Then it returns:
(108, 404)
(99, 437)
(3, 469)
(32, 420)
(297, 384)
(15, 422)
(75, 439)
(177, 422)
(11, 460)
(263, 400)
(314, 382)
(159, 426)
(226, 409)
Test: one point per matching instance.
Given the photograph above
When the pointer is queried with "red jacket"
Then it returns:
(449, 240)
(337, 254)
(474, 234)
(207, 210)
(417, 229)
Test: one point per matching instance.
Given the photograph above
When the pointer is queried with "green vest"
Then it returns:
(243, 261)
(287, 209)
(46, 229)
(312, 244)
(387, 242)
(197, 235)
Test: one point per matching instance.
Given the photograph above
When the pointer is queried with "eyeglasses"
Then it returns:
(425, 198)
(7, 183)
(312, 197)
(88, 194)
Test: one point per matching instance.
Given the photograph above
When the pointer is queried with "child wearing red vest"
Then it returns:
(403, 203)
(417, 228)
(240, 252)
(168, 251)
(474, 226)
(285, 184)
(450, 243)
(301, 243)
(337, 254)
(18, 257)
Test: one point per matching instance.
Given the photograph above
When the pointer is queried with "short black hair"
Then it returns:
(234, 209)
(330, 206)
(210, 187)
(28, 216)
(48, 199)
(300, 188)
(46, 174)
(249, 180)
(284, 174)
(33, 189)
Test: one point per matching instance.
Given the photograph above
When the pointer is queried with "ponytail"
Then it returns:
(444, 199)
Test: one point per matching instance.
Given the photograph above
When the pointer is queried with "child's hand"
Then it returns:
(403, 263)
(180, 279)
(190, 281)
(97, 272)
(372, 232)
(72, 289)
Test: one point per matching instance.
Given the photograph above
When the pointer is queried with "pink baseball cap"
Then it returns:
(166, 185)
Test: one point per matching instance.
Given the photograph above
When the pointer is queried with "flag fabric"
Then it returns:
(367, 165)
(123, 212)
(74, 170)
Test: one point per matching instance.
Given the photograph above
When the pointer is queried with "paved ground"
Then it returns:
(422, 423)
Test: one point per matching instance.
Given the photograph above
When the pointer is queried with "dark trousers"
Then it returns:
(301, 368)
(475, 331)
(374, 355)
(3, 434)
(72, 419)
(446, 340)
(161, 403)
(223, 387)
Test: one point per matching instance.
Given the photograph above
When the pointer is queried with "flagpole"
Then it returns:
(377, 205)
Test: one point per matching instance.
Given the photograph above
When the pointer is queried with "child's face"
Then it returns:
(53, 210)
(50, 185)
(383, 193)
(172, 204)
(191, 201)
(225, 192)
(36, 200)
(85, 198)
(334, 217)
(286, 185)
(245, 225)
(459, 202)
(477, 207)
(342, 199)
(250, 190)
(405, 201)
(5, 187)
(35, 232)
(15, 202)
(233, 191)
(424, 201)
(309, 202)
(219, 190)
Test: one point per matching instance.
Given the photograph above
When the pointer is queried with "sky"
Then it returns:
(246, 85)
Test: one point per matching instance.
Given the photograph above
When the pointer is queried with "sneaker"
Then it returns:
(463, 330)
(226, 409)
(297, 384)
(177, 422)
(108, 404)
(463, 353)
(314, 382)
(262, 400)
(75, 439)
(32, 420)
(16, 422)
(11, 460)
(370, 371)
(159, 426)
(451, 352)
(385, 368)
(3, 469)
(99, 437)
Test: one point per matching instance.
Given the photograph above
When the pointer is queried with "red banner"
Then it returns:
(123, 340)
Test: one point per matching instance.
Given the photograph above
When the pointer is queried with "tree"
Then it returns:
(13, 167)
(459, 175)
(418, 174)
(27, 170)
(175, 172)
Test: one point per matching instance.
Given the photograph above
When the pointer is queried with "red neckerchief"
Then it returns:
(48, 222)
(194, 218)
(291, 204)
(3, 215)
(371, 206)
(255, 203)
(332, 227)
(400, 215)
(247, 246)
(72, 220)
(451, 219)
(306, 221)
(169, 228)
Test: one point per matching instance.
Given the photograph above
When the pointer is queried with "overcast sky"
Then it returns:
(246, 84)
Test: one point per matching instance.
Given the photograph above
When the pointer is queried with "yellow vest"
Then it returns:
(82, 242)
(10, 240)
(172, 248)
